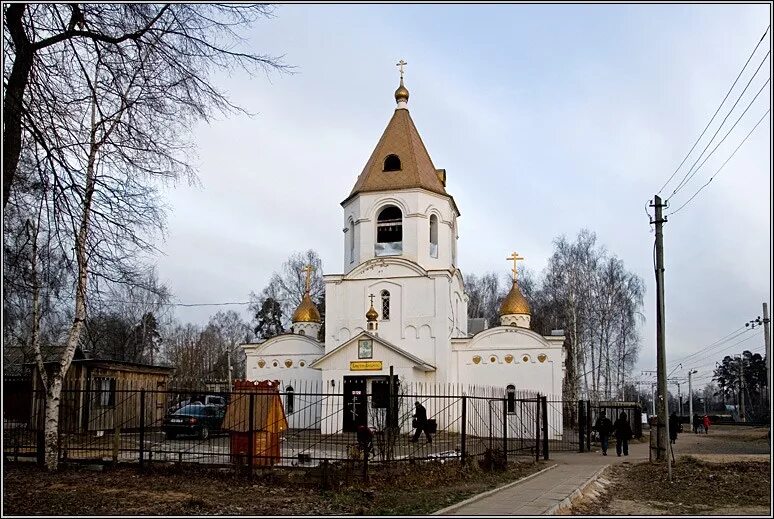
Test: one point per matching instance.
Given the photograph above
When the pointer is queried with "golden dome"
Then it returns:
(306, 312)
(514, 302)
(402, 93)
(371, 314)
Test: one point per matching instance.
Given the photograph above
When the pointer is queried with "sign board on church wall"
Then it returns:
(365, 365)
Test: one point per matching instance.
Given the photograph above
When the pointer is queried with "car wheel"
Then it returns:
(204, 433)
(171, 435)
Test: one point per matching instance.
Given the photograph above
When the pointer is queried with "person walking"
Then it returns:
(420, 423)
(706, 423)
(604, 427)
(697, 424)
(623, 433)
(674, 427)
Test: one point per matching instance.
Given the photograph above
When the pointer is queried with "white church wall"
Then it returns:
(287, 358)
(505, 356)
(417, 310)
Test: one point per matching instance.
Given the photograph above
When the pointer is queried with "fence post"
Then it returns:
(581, 426)
(464, 428)
(544, 401)
(588, 425)
(391, 417)
(537, 427)
(142, 429)
(491, 432)
(365, 465)
(251, 437)
(505, 429)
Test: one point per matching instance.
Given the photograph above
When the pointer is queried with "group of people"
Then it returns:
(701, 423)
(621, 429)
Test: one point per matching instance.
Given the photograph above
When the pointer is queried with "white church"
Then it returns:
(400, 303)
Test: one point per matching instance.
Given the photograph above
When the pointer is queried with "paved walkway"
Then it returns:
(538, 495)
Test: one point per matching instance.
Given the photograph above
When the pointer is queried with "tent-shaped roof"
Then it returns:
(400, 138)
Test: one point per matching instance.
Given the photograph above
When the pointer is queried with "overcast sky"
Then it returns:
(547, 119)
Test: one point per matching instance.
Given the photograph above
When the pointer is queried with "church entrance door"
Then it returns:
(355, 403)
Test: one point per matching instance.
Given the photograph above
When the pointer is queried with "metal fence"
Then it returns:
(301, 425)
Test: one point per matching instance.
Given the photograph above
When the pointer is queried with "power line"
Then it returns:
(716, 111)
(179, 304)
(683, 181)
(723, 339)
(731, 346)
(728, 132)
(724, 164)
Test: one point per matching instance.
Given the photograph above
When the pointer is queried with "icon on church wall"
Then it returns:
(365, 349)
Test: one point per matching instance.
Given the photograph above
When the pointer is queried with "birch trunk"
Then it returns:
(54, 390)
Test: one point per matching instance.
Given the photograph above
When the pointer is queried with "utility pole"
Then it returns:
(767, 341)
(663, 411)
(228, 358)
(742, 415)
(690, 395)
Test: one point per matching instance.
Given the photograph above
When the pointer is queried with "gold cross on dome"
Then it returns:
(372, 299)
(515, 257)
(400, 66)
(308, 269)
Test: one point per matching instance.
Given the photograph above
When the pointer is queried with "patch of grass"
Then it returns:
(696, 486)
(424, 488)
(401, 489)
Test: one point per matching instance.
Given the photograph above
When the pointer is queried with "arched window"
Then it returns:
(385, 305)
(389, 232)
(351, 240)
(510, 391)
(433, 236)
(392, 163)
(290, 400)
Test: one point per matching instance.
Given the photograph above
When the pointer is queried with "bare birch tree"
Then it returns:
(174, 46)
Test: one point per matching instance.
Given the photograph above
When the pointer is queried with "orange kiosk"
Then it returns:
(267, 417)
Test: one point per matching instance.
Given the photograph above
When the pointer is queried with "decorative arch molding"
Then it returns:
(343, 335)
(498, 330)
(411, 332)
(432, 209)
(539, 340)
(383, 202)
(361, 270)
(266, 347)
(425, 332)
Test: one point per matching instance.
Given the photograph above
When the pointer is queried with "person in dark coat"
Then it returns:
(623, 433)
(674, 426)
(604, 427)
(420, 423)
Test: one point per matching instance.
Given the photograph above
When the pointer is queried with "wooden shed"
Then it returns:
(101, 394)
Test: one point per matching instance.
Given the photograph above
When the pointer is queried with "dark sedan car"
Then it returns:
(194, 419)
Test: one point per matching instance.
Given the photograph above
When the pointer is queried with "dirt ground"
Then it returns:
(189, 491)
(727, 472)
